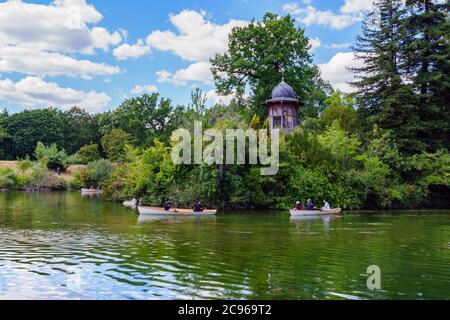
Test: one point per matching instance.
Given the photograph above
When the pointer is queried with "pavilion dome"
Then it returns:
(283, 91)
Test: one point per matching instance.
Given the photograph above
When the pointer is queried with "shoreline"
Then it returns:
(244, 210)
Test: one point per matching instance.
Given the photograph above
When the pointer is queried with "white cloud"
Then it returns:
(311, 16)
(127, 51)
(62, 25)
(196, 72)
(339, 45)
(356, 6)
(315, 43)
(215, 98)
(197, 39)
(36, 39)
(350, 13)
(32, 91)
(163, 76)
(144, 89)
(335, 71)
(41, 63)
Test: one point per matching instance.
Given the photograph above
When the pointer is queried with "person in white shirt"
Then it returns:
(326, 206)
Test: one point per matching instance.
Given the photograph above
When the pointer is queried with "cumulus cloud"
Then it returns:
(199, 72)
(197, 39)
(127, 51)
(42, 63)
(356, 6)
(35, 39)
(339, 45)
(350, 13)
(62, 25)
(144, 89)
(335, 71)
(33, 91)
(215, 98)
(315, 43)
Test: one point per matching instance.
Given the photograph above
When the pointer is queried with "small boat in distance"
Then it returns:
(131, 204)
(175, 212)
(300, 213)
(91, 191)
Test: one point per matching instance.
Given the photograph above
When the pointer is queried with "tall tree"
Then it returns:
(144, 118)
(28, 127)
(4, 136)
(258, 54)
(383, 98)
(426, 61)
(82, 129)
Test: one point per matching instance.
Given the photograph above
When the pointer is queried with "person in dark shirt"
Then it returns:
(197, 207)
(310, 205)
(167, 205)
(298, 206)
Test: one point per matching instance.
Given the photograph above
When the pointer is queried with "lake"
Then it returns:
(64, 246)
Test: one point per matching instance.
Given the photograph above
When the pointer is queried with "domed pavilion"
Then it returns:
(283, 108)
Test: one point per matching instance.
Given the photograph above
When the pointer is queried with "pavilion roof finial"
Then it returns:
(282, 74)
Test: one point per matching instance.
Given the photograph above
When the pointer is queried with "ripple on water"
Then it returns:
(97, 250)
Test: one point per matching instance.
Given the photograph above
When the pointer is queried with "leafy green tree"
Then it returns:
(147, 174)
(340, 108)
(28, 127)
(143, 118)
(3, 138)
(258, 54)
(114, 144)
(82, 129)
(88, 153)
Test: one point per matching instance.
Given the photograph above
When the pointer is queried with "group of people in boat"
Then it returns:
(311, 206)
(197, 207)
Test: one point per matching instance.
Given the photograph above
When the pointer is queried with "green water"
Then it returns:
(63, 246)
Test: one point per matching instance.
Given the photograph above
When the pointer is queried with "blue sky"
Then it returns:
(95, 53)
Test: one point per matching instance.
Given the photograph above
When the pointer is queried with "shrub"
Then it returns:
(100, 171)
(114, 144)
(55, 158)
(88, 153)
(8, 179)
(80, 178)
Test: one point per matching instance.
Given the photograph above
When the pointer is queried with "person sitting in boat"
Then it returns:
(298, 206)
(326, 206)
(167, 205)
(197, 207)
(310, 205)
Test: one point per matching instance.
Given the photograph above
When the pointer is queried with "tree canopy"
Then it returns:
(404, 83)
(257, 56)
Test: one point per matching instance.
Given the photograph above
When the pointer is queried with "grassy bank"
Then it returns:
(27, 175)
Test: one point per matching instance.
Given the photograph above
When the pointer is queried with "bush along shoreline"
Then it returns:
(332, 165)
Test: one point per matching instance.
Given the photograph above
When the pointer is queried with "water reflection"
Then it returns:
(63, 246)
(174, 219)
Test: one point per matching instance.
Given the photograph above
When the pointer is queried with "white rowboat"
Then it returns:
(177, 212)
(91, 191)
(300, 213)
